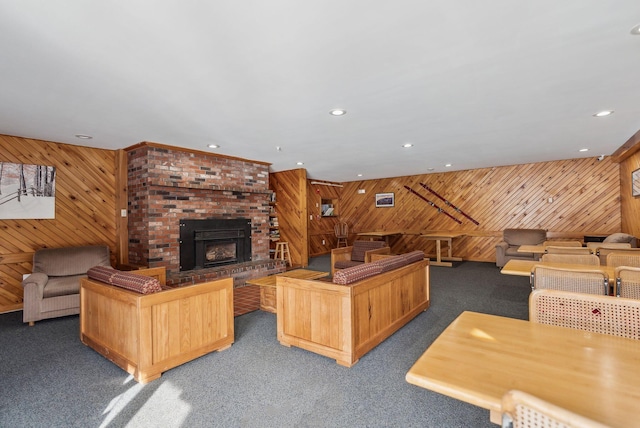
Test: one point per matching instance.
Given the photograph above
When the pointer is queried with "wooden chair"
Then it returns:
(623, 258)
(580, 259)
(618, 245)
(591, 281)
(616, 316)
(342, 233)
(603, 252)
(562, 243)
(566, 250)
(522, 410)
(628, 282)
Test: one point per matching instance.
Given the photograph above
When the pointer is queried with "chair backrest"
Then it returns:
(567, 250)
(618, 245)
(623, 258)
(603, 252)
(580, 259)
(616, 316)
(628, 282)
(361, 247)
(558, 243)
(592, 281)
(341, 229)
(520, 410)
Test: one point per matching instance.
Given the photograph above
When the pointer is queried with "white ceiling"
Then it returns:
(471, 83)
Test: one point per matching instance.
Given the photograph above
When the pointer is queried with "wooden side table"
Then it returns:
(268, 285)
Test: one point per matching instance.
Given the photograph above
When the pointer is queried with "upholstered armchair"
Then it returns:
(507, 249)
(356, 254)
(53, 289)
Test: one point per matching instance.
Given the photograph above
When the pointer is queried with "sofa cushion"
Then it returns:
(390, 263)
(621, 238)
(344, 264)
(62, 286)
(356, 273)
(525, 236)
(413, 256)
(70, 260)
(361, 247)
(138, 283)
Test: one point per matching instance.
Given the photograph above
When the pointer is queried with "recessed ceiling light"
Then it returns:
(407, 145)
(338, 112)
(429, 169)
(299, 163)
(83, 136)
(278, 148)
(359, 175)
(213, 146)
(635, 30)
(603, 113)
(448, 165)
(583, 150)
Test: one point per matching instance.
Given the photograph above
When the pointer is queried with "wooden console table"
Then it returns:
(267, 285)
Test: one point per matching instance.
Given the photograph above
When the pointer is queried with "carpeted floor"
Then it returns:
(48, 378)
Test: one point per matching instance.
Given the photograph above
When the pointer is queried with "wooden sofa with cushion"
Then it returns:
(348, 317)
(356, 254)
(153, 329)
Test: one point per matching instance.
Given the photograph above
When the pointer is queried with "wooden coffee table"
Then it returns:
(267, 285)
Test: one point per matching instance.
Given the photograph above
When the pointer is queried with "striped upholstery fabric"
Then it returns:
(390, 263)
(71, 260)
(138, 283)
(361, 247)
(413, 256)
(356, 273)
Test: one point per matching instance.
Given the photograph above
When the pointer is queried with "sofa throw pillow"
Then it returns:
(390, 263)
(355, 273)
(621, 238)
(413, 256)
(138, 283)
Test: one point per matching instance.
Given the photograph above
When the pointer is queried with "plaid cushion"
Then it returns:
(390, 263)
(343, 264)
(101, 273)
(356, 273)
(413, 256)
(138, 283)
(360, 247)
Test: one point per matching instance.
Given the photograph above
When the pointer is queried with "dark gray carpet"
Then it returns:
(48, 378)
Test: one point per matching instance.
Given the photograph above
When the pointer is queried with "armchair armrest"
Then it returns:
(368, 254)
(35, 283)
(340, 254)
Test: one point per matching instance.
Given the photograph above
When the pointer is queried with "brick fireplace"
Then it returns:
(168, 185)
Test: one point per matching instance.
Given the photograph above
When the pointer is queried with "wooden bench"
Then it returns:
(345, 322)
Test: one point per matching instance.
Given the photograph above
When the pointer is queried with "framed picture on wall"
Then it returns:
(635, 182)
(385, 200)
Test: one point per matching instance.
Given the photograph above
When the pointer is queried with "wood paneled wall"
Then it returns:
(291, 207)
(630, 205)
(322, 228)
(87, 199)
(585, 199)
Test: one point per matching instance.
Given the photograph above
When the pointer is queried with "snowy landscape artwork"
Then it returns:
(27, 191)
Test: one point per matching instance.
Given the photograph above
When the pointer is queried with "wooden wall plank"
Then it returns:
(585, 194)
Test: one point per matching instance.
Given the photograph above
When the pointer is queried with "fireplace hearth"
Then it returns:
(212, 242)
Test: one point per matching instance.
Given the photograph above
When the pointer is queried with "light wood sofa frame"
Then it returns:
(344, 254)
(344, 322)
(147, 334)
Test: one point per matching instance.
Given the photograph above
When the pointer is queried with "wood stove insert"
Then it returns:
(212, 242)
